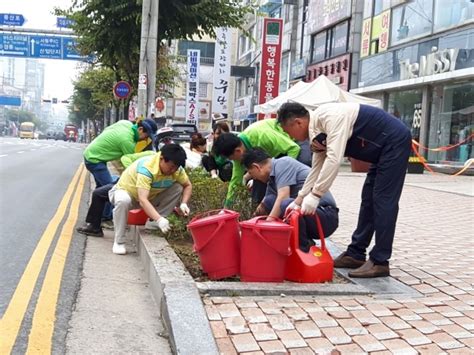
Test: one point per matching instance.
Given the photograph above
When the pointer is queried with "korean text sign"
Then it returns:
(271, 59)
(220, 87)
(192, 86)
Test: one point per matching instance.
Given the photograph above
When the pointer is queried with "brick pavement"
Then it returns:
(433, 253)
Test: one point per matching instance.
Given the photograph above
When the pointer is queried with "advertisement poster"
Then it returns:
(192, 86)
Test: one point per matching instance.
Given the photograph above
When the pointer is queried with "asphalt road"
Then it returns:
(41, 189)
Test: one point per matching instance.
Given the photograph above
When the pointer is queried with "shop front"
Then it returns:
(430, 86)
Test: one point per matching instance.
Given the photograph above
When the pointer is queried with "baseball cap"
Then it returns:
(149, 126)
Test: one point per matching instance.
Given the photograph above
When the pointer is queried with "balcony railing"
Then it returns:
(203, 60)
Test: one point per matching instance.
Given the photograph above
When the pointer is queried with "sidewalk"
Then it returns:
(115, 312)
(433, 253)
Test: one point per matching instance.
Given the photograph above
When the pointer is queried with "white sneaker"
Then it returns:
(119, 249)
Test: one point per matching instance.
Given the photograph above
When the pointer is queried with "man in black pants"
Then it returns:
(365, 133)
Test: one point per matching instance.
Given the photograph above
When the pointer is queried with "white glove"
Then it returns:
(250, 184)
(163, 224)
(214, 176)
(292, 206)
(310, 203)
(184, 208)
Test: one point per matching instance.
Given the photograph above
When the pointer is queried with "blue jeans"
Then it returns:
(328, 214)
(102, 177)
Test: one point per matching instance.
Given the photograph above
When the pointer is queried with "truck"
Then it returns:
(71, 132)
(27, 130)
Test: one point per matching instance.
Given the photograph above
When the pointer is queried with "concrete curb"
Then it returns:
(176, 294)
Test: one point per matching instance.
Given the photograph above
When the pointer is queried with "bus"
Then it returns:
(27, 130)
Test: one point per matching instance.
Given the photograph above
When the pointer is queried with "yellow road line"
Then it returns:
(11, 321)
(41, 334)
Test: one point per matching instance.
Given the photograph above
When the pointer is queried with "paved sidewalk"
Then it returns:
(433, 253)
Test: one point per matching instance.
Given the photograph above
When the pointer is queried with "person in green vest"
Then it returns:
(265, 134)
(115, 141)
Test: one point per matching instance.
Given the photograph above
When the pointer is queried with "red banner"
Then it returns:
(271, 59)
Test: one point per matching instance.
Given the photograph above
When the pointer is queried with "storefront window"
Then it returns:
(406, 105)
(450, 13)
(452, 122)
(412, 20)
(339, 42)
(319, 47)
(377, 69)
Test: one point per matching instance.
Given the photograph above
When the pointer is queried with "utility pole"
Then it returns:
(148, 52)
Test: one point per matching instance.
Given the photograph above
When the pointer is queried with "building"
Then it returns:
(418, 58)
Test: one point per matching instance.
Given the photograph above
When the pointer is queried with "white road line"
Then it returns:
(3, 155)
(33, 149)
(21, 151)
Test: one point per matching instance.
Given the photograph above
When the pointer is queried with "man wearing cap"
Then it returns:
(115, 141)
(155, 183)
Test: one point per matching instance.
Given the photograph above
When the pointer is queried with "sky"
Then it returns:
(38, 14)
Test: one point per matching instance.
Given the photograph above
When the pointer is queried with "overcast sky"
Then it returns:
(38, 15)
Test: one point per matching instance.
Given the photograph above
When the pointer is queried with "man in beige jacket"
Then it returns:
(365, 133)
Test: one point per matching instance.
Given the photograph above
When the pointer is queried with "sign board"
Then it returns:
(298, 68)
(64, 22)
(271, 59)
(380, 31)
(142, 81)
(10, 100)
(220, 87)
(365, 38)
(37, 46)
(14, 45)
(12, 20)
(122, 89)
(192, 86)
(323, 13)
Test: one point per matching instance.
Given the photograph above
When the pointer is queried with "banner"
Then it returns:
(220, 87)
(192, 86)
(271, 59)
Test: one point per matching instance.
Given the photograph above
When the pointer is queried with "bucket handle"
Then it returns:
(293, 216)
(219, 225)
(208, 213)
(288, 252)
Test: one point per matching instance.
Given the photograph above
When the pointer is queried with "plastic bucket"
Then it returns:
(317, 265)
(265, 249)
(137, 217)
(217, 242)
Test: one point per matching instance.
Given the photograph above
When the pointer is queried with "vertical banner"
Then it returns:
(192, 86)
(220, 87)
(365, 41)
(271, 59)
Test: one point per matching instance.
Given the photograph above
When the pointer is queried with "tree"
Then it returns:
(110, 29)
(19, 116)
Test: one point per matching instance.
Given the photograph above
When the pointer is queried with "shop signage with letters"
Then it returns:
(434, 63)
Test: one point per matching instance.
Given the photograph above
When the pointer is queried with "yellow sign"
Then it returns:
(380, 32)
(365, 42)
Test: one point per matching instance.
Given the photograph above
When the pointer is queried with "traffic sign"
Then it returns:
(69, 45)
(64, 22)
(45, 47)
(12, 20)
(122, 89)
(10, 100)
(15, 45)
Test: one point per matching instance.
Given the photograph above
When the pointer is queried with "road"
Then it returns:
(41, 188)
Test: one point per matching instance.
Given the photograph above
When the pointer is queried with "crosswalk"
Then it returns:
(24, 146)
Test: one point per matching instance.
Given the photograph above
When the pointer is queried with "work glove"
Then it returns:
(163, 224)
(310, 203)
(292, 206)
(214, 176)
(250, 184)
(184, 208)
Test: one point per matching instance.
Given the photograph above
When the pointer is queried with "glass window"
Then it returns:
(379, 6)
(450, 13)
(319, 47)
(206, 48)
(411, 20)
(368, 5)
(284, 73)
(406, 105)
(377, 69)
(339, 45)
(452, 122)
(202, 90)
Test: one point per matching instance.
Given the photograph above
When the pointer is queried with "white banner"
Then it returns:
(192, 86)
(220, 87)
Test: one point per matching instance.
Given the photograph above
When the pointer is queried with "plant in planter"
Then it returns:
(415, 165)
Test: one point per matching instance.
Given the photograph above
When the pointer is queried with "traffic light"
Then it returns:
(45, 100)
(55, 100)
(65, 101)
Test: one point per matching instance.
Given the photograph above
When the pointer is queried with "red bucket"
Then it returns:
(137, 217)
(217, 242)
(265, 248)
(317, 265)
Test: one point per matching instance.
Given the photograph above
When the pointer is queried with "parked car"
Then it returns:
(50, 135)
(60, 136)
(182, 132)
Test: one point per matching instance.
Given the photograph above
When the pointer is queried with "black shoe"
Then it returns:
(88, 230)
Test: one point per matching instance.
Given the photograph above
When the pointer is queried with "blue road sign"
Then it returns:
(12, 20)
(122, 89)
(69, 49)
(10, 100)
(45, 47)
(14, 45)
(63, 22)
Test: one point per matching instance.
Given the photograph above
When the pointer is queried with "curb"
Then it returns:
(176, 295)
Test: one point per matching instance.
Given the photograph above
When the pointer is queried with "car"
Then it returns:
(182, 132)
(50, 135)
(60, 136)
